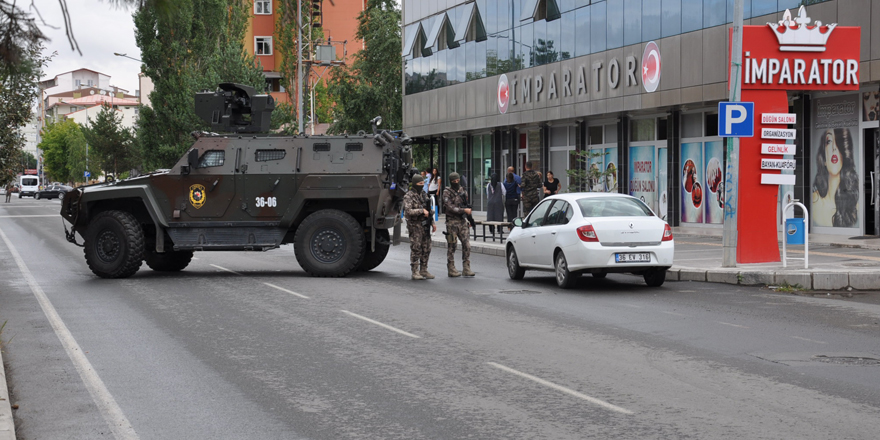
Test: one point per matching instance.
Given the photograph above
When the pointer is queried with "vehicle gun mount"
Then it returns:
(235, 108)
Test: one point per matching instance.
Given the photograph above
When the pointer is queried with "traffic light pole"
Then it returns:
(731, 184)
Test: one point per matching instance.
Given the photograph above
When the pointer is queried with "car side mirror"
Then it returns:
(518, 222)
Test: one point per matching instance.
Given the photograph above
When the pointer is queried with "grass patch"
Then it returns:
(789, 288)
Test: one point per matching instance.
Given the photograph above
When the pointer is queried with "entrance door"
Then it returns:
(872, 181)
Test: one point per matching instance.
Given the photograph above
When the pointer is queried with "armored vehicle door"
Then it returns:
(208, 190)
(269, 177)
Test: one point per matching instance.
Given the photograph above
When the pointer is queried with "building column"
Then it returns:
(673, 145)
(623, 155)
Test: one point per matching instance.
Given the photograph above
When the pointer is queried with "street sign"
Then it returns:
(778, 179)
(778, 164)
(778, 133)
(736, 119)
(777, 149)
(87, 174)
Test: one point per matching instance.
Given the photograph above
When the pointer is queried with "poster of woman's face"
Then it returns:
(714, 205)
(835, 182)
(691, 186)
(871, 106)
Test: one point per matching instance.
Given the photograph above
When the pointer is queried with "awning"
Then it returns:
(272, 75)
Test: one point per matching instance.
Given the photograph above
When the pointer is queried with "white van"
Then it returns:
(29, 186)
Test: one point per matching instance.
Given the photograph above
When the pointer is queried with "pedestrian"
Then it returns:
(511, 197)
(457, 227)
(531, 184)
(518, 180)
(434, 182)
(9, 189)
(419, 226)
(551, 185)
(495, 202)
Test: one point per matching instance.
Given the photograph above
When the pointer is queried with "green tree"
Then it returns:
(194, 49)
(585, 175)
(111, 145)
(28, 161)
(18, 93)
(65, 152)
(371, 86)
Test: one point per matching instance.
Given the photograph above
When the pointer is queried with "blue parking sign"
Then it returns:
(736, 119)
(87, 174)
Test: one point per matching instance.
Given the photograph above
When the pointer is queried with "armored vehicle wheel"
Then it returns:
(374, 259)
(169, 261)
(329, 243)
(114, 245)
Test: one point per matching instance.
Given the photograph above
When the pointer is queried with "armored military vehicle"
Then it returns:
(334, 197)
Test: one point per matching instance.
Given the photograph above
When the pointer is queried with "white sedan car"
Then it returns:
(597, 233)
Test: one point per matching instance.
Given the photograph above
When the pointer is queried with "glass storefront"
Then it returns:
(702, 170)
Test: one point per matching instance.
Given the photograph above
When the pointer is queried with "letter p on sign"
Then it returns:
(736, 119)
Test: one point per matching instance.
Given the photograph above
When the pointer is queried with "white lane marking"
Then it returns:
(288, 291)
(381, 324)
(732, 325)
(672, 313)
(27, 216)
(228, 270)
(687, 291)
(632, 306)
(809, 340)
(574, 393)
(110, 410)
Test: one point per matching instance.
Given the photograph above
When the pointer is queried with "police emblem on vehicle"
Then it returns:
(197, 195)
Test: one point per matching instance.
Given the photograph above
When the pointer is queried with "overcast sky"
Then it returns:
(100, 29)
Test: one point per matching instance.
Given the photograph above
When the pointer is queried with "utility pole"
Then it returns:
(299, 67)
(731, 184)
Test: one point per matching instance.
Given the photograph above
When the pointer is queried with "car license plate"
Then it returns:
(642, 257)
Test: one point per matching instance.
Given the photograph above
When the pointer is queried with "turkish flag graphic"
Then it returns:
(651, 67)
(503, 94)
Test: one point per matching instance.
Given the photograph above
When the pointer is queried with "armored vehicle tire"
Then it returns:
(169, 261)
(329, 243)
(374, 259)
(114, 245)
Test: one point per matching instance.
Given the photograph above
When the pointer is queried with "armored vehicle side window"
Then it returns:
(267, 155)
(212, 158)
(354, 147)
(321, 147)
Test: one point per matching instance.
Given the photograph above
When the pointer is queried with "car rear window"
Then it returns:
(613, 207)
(29, 182)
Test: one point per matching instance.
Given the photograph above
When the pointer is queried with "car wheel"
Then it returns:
(564, 277)
(655, 278)
(37, 196)
(114, 245)
(173, 261)
(329, 243)
(599, 274)
(513, 268)
(373, 259)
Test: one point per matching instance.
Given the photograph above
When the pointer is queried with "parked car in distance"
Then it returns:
(52, 192)
(596, 233)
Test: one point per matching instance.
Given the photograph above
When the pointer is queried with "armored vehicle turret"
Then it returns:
(335, 198)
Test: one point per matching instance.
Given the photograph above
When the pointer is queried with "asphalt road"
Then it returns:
(245, 345)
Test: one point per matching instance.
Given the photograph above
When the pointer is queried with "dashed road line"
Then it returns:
(672, 313)
(372, 321)
(288, 291)
(808, 340)
(228, 270)
(110, 410)
(732, 325)
(563, 389)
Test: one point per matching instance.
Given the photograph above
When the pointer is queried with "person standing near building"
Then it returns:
(531, 184)
(495, 201)
(9, 189)
(419, 226)
(551, 185)
(457, 227)
(511, 197)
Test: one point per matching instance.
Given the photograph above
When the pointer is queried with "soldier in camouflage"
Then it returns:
(531, 183)
(419, 227)
(457, 227)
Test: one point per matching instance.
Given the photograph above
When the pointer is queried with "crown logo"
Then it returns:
(795, 34)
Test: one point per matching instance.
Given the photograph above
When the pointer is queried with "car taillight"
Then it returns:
(587, 233)
(667, 233)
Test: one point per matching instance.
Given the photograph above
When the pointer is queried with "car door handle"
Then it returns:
(534, 235)
(553, 232)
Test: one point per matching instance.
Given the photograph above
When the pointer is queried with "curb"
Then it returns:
(7, 424)
(808, 280)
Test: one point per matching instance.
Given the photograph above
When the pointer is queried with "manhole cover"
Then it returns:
(519, 292)
(861, 264)
(847, 360)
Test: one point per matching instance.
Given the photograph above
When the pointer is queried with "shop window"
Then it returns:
(711, 124)
(692, 125)
(642, 130)
(662, 129)
(611, 134)
(595, 135)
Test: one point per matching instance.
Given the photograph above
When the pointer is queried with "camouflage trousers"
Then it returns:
(458, 230)
(529, 202)
(419, 245)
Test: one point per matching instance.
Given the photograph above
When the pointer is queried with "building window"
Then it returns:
(263, 7)
(78, 82)
(263, 45)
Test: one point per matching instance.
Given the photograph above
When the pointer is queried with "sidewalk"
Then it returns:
(835, 262)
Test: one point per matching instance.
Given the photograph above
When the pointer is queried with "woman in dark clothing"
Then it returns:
(495, 199)
(551, 185)
(511, 197)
